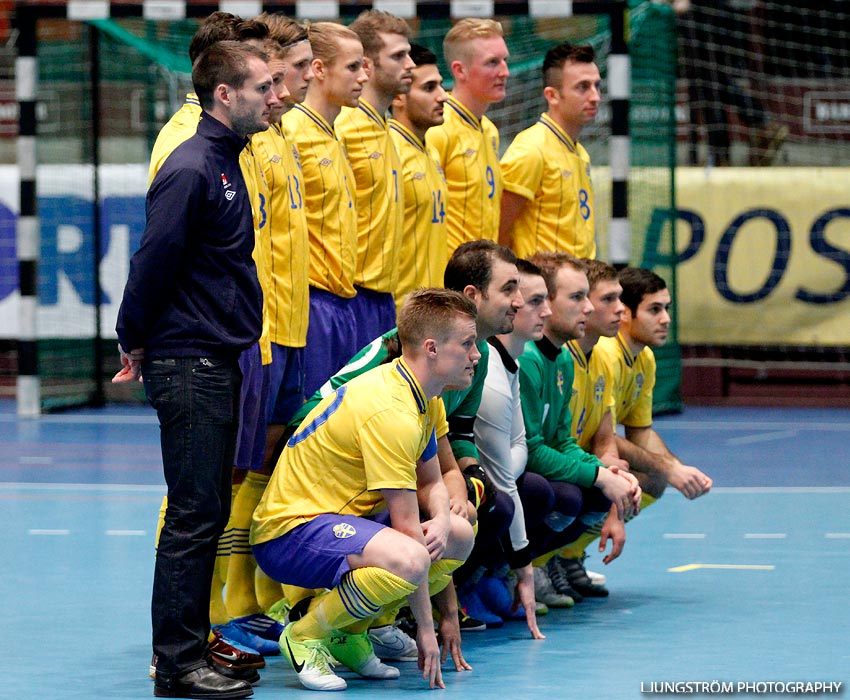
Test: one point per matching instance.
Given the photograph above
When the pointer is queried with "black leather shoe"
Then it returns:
(237, 672)
(202, 682)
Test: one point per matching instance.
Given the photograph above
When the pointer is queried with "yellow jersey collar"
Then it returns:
(464, 113)
(560, 134)
(413, 383)
(627, 353)
(407, 134)
(577, 353)
(317, 118)
(372, 113)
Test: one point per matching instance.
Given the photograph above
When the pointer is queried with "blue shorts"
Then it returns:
(286, 383)
(375, 314)
(251, 438)
(314, 555)
(331, 338)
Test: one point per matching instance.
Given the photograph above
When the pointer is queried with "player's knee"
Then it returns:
(408, 560)
(461, 539)
(654, 485)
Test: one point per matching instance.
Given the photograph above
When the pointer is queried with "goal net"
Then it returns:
(107, 86)
(764, 116)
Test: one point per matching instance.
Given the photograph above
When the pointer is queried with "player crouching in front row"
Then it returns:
(370, 447)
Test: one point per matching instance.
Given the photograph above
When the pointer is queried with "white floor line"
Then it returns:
(779, 489)
(771, 436)
(752, 425)
(29, 486)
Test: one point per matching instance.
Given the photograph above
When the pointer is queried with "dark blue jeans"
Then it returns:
(196, 400)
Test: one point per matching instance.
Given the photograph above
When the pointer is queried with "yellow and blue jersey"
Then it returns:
(365, 436)
(284, 227)
(182, 125)
(424, 248)
(591, 395)
(552, 171)
(633, 380)
(379, 196)
(328, 200)
(468, 150)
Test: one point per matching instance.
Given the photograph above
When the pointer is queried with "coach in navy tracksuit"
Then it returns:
(192, 304)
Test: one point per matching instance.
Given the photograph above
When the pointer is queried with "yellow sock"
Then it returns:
(295, 594)
(576, 549)
(160, 522)
(268, 590)
(646, 500)
(218, 613)
(240, 597)
(387, 617)
(361, 595)
(440, 574)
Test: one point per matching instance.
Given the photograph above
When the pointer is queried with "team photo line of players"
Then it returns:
(386, 365)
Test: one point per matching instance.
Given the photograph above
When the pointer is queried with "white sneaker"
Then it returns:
(312, 662)
(595, 578)
(355, 651)
(544, 591)
(392, 644)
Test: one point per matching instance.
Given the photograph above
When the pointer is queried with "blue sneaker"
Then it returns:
(475, 608)
(497, 596)
(255, 632)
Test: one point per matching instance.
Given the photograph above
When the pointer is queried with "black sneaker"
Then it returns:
(559, 580)
(579, 580)
(470, 624)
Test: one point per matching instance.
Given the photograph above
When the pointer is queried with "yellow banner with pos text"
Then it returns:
(763, 256)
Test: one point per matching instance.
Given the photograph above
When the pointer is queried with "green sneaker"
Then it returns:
(355, 651)
(279, 611)
(312, 662)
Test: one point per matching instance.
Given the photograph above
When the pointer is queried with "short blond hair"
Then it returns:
(325, 38)
(457, 40)
(432, 313)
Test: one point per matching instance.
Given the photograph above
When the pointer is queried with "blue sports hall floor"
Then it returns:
(748, 584)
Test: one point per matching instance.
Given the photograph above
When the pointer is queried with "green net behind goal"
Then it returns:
(142, 77)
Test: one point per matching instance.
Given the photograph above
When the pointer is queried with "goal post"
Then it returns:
(101, 163)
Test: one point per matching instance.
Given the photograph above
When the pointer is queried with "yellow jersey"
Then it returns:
(468, 150)
(379, 196)
(285, 229)
(633, 380)
(592, 396)
(550, 170)
(424, 246)
(366, 436)
(328, 200)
